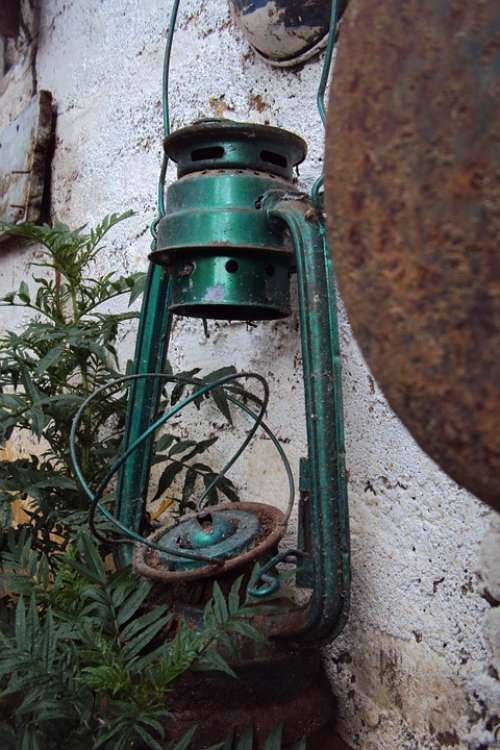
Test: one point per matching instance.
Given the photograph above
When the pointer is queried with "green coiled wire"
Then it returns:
(95, 497)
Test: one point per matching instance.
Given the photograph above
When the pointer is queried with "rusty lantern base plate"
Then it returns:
(261, 539)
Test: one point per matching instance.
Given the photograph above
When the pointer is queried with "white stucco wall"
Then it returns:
(418, 664)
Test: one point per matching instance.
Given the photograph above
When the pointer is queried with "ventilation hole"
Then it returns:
(232, 266)
(270, 270)
(211, 152)
(274, 158)
(186, 270)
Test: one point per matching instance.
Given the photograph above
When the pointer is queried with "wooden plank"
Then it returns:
(9, 17)
(25, 146)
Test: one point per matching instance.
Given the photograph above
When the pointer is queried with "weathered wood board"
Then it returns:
(25, 146)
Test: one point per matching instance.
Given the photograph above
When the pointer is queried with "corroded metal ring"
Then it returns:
(147, 563)
(413, 202)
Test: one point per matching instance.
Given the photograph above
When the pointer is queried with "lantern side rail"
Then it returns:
(327, 611)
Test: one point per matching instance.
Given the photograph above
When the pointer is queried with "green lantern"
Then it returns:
(225, 259)
(232, 232)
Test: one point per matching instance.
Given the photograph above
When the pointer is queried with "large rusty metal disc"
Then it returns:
(413, 202)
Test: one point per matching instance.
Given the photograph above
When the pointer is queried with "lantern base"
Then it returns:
(234, 535)
(289, 687)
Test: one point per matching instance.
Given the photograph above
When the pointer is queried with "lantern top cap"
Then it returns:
(227, 144)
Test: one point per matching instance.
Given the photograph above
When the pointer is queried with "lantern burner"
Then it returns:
(233, 535)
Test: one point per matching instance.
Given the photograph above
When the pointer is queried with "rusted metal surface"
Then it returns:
(147, 562)
(413, 201)
(25, 147)
(289, 687)
(9, 17)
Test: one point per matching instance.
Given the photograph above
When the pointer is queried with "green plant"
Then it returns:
(52, 363)
(86, 662)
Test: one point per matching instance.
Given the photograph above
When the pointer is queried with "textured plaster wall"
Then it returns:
(418, 665)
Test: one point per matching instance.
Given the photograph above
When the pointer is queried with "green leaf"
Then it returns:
(220, 399)
(21, 639)
(147, 738)
(149, 722)
(139, 285)
(116, 728)
(181, 446)
(213, 661)
(212, 497)
(233, 600)
(221, 372)
(164, 442)
(274, 740)
(189, 483)
(50, 359)
(50, 640)
(83, 570)
(134, 602)
(220, 606)
(141, 641)
(179, 389)
(200, 447)
(138, 624)
(227, 488)
(246, 740)
(185, 742)
(93, 558)
(166, 478)
(24, 292)
(245, 629)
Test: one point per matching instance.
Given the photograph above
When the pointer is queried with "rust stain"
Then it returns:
(219, 105)
(257, 102)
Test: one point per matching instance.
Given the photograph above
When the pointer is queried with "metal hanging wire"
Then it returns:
(320, 102)
(320, 99)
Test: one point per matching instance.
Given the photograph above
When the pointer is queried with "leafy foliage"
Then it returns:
(64, 353)
(246, 741)
(86, 661)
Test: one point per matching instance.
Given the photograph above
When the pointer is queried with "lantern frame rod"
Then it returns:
(327, 611)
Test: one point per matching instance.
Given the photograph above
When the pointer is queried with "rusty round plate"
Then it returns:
(413, 203)
(147, 563)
